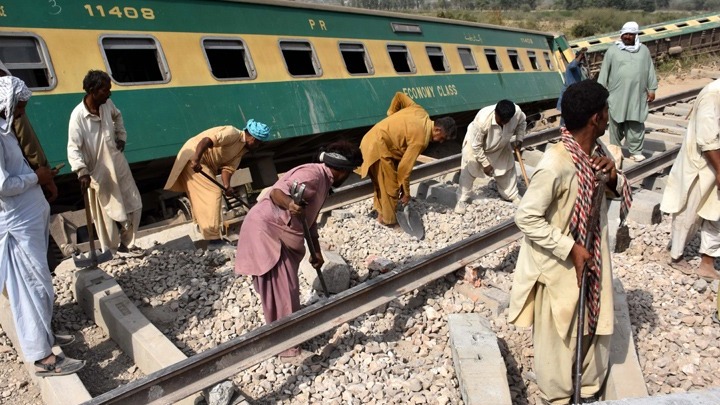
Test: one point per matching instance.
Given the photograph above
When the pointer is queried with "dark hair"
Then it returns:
(505, 109)
(348, 150)
(448, 126)
(581, 101)
(95, 79)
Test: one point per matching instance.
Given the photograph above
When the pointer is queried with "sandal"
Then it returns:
(63, 340)
(62, 366)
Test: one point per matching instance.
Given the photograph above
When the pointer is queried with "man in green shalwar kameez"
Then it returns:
(628, 73)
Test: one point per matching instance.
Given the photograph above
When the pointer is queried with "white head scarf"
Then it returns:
(12, 90)
(630, 27)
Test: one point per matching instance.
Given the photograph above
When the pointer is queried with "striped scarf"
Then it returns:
(587, 184)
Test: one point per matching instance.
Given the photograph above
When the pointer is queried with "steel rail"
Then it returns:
(228, 359)
(364, 189)
(205, 369)
(426, 171)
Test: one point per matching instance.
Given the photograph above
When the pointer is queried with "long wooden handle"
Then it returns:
(91, 234)
(522, 167)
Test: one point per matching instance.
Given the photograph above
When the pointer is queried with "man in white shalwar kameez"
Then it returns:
(96, 141)
(691, 194)
(553, 216)
(627, 71)
(487, 150)
(24, 227)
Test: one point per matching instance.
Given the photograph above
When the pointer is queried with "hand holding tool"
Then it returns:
(296, 193)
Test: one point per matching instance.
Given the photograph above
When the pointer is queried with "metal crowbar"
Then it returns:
(232, 201)
(296, 193)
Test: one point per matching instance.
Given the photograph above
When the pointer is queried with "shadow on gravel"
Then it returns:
(642, 313)
(518, 389)
(106, 367)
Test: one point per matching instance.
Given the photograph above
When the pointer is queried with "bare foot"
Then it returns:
(707, 269)
(681, 265)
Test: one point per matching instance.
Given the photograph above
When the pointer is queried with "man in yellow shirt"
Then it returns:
(391, 147)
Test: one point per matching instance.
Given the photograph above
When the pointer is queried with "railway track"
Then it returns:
(214, 365)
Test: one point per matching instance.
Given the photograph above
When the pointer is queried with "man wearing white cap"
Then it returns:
(215, 150)
(628, 73)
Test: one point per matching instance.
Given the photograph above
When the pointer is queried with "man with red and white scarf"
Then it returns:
(553, 216)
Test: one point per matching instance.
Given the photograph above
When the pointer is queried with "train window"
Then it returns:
(533, 60)
(660, 29)
(703, 20)
(357, 60)
(401, 59)
(681, 25)
(406, 28)
(468, 60)
(515, 59)
(26, 58)
(594, 42)
(135, 60)
(228, 59)
(437, 59)
(493, 60)
(548, 61)
(300, 58)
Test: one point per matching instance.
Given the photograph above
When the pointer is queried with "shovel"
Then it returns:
(92, 258)
(410, 221)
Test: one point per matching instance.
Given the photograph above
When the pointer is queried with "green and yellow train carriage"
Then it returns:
(687, 36)
(310, 71)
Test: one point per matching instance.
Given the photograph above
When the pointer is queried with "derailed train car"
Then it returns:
(311, 72)
(687, 36)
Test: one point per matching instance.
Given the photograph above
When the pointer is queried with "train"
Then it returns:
(687, 36)
(312, 72)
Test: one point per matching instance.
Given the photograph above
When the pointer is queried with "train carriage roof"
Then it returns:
(376, 13)
(653, 32)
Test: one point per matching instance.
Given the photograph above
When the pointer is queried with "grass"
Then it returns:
(684, 64)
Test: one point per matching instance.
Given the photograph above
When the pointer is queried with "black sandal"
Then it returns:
(62, 366)
(63, 340)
